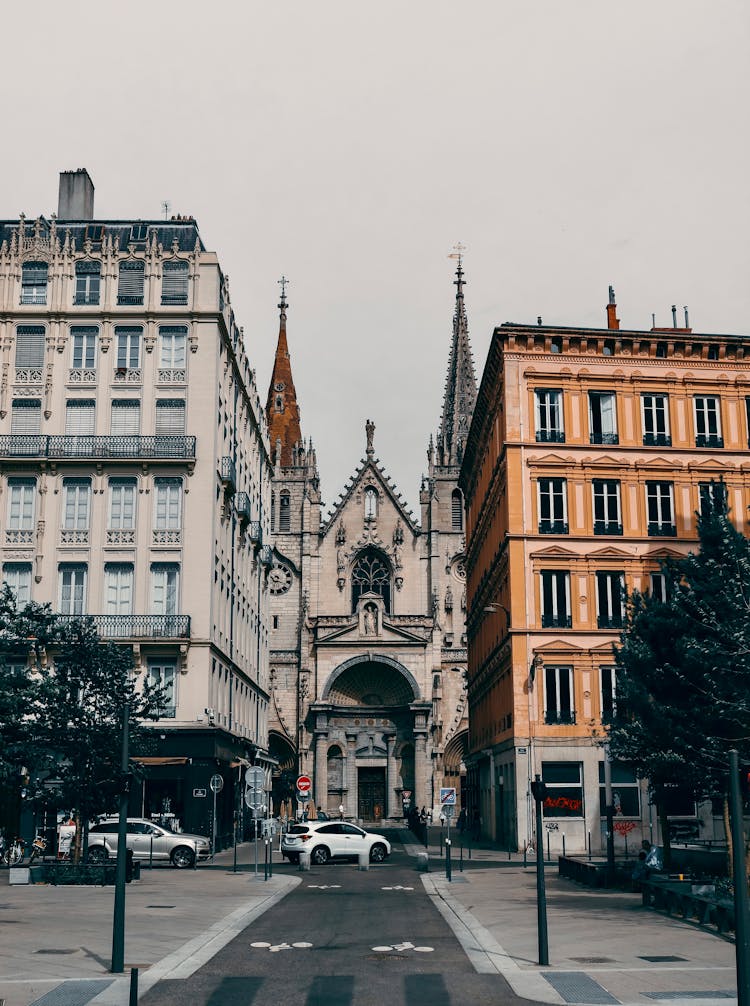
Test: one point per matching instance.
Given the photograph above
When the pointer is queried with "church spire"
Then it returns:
(460, 384)
(282, 410)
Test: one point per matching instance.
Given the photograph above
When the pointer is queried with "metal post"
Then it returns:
(255, 825)
(448, 876)
(549, 856)
(461, 859)
(213, 829)
(133, 998)
(541, 895)
(265, 859)
(234, 864)
(270, 856)
(589, 841)
(741, 915)
(151, 854)
(563, 845)
(609, 813)
(118, 920)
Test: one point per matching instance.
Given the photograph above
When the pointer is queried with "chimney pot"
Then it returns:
(76, 196)
(612, 320)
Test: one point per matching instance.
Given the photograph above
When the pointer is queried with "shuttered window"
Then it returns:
(72, 589)
(84, 346)
(30, 346)
(172, 341)
(130, 287)
(118, 588)
(128, 338)
(126, 418)
(26, 417)
(170, 417)
(174, 284)
(34, 283)
(164, 583)
(80, 417)
(88, 282)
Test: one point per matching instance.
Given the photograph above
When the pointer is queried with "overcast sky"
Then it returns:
(350, 145)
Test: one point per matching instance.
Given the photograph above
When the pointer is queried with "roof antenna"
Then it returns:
(674, 316)
(653, 321)
(166, 207)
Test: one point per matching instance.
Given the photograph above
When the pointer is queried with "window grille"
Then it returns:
(80, 417)
(26, 417)
(170, 417)
(131, 279)
(126, 418)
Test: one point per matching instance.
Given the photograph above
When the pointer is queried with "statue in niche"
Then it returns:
(340, 560)
(341, 533)
(448, 599)
(371, 620)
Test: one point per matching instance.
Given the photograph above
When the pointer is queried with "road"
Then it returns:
(343, 937)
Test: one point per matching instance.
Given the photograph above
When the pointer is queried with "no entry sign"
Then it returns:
(304, 783)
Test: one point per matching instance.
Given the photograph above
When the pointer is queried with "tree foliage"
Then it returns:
(683, 664)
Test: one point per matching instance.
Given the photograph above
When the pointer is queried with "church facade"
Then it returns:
(368, 650)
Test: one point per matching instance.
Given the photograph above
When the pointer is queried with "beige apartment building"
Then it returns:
(135, 477)
(586, 462)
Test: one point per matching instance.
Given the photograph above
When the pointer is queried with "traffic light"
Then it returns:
(538, 789)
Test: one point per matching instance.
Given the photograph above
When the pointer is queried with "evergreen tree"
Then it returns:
(683, 665)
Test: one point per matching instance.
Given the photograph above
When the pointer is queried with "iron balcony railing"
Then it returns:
(138, 626)
(18, 446)
(564, 717)
(242, 507)
(228, 474)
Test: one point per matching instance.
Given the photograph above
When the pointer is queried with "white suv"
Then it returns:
(332, 840)
(147, 840)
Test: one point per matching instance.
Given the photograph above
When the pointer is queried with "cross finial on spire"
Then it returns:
(458, 253)
(283, 284)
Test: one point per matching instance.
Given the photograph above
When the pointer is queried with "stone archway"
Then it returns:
(371, 680)
(454, 768)
(284, 774)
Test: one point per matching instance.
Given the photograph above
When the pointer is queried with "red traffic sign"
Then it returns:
(304, 783)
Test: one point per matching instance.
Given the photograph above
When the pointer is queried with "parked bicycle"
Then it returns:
(15, 852)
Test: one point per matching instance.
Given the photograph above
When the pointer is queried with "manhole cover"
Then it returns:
(663, 959)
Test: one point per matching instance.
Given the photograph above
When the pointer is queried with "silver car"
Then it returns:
(147, 840)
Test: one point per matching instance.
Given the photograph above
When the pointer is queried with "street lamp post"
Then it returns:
(539, 790)
(118, 921)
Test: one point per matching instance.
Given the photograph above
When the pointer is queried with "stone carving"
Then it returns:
(371, 620)
(448, 599)
(370, 431)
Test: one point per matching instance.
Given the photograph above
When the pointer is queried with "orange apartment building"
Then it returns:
(584, 467)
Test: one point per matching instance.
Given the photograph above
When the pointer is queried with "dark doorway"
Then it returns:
(371, 794)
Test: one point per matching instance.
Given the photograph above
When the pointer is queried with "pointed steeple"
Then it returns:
(282, 410)
(460, 384)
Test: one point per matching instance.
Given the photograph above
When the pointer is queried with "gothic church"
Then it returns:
(367, 612)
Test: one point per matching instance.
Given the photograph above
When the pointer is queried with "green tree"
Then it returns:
(683, 666)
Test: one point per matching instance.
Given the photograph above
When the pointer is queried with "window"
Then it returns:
(17, 575)
(174, 284)
(34, 283)
(607, 519)
(163, 675)
(273, 511)
(563, 780)
(130, 287)
(72, 578)
(21, 498)
(457, 510)
(553, 506)
(660, 509)
(549, 417)
(172, 342)
(126, 417)
(603, 417)
(658, 587)
(88, 282)
(164, 583)
(707, 421)
(83, 338)
(285, 512)
(607, 693)
(29, 346)
(371, 574)
(556, 599)
(655, 420)
(712, 496)
(626, 795)
(558, 695)
(610, 599)
(122, 504)
(128, 339)
(168, 504)
(118, 588)
(170, 417)
(76, 497)
(26, 417)
(80, 417)
(371, 503)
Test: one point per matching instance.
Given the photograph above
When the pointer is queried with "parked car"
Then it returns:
(332, 840)
(147, 839)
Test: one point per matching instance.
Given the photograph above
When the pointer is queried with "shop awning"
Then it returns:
(157, 760)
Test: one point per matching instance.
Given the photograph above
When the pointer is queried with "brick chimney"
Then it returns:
(612, 320)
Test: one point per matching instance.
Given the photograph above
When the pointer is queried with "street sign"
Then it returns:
(304, 783)
(217, 783)
(447, 796)
(303, 797)
(255, 777)
(201, 792)
(406, 794)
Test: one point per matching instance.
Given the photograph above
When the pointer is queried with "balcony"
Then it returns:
(266, 555)
(709, 440)
(662, 530)
(657, 440)
(228, 474)
(607, 527)
(550, 437)
(173, 447)
(242, 508)
(562, 717)
(255, 533)
(553, 527)
(557, 622)
(137, 626)
(610, 621)
(604, 438)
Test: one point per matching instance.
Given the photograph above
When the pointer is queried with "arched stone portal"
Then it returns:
(370, 739)
(454, 767)
(285, 773)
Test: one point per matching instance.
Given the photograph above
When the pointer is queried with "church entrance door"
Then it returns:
(371, 789)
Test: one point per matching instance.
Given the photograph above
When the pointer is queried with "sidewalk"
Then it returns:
(604, 947)
(192, 914)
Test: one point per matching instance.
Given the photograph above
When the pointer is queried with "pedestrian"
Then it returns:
(423, 816)
(341, 811)
(461, 822)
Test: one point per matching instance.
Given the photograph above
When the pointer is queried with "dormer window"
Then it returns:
(371, 503)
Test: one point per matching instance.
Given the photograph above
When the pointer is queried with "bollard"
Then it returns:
(563, 845)
(508, 853)
(448, 860)
(151, 854)
(589, 846)
(549, 857)
(304, 860)
(270, 857)
(133, 999)
(265, 859)
(461, 859)
(525, 847)
(363, 859)
(423, 862)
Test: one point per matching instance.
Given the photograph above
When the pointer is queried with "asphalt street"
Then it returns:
(343, 937)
